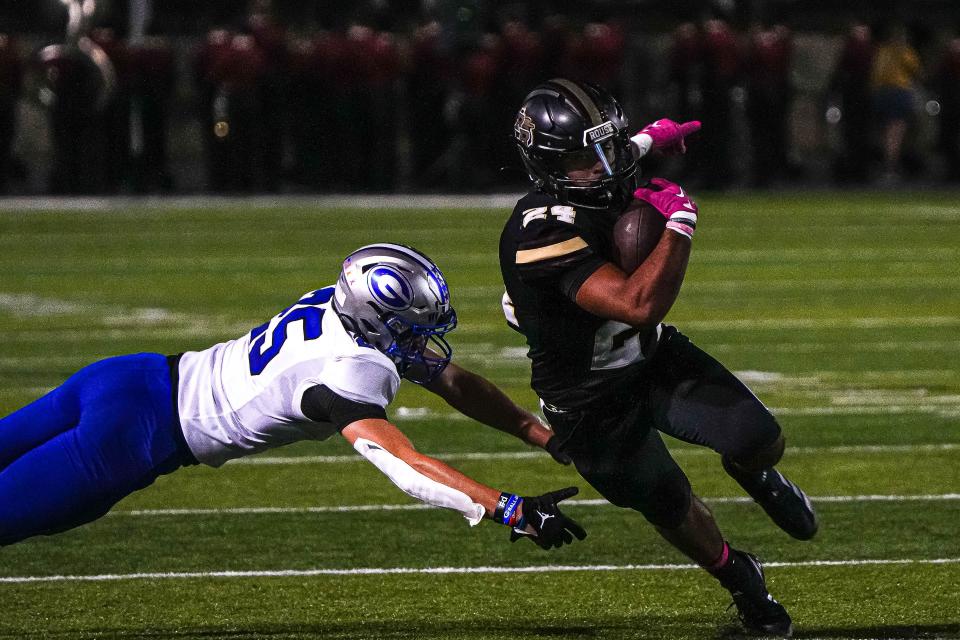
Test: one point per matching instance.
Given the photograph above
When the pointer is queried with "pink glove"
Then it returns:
(666, 136)
(670, 200)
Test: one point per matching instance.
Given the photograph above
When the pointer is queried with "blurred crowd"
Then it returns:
(878, 89)
(371, 110)
(880, 84)
(368, 109)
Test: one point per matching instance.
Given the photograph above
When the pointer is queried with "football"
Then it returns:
(635, 234)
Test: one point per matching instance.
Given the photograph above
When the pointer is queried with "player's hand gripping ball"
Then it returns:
(673, 203)
(660, 205)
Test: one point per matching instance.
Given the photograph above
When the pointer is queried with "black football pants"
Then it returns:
(683, 392)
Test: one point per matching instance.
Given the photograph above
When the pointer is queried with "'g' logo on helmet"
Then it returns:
(523, 128)
(390, 288)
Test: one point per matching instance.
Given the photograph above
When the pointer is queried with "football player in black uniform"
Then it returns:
(610, 375)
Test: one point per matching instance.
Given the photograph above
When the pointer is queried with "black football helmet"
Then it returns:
(565, 124)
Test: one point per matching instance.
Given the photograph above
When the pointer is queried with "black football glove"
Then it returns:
(551, 528)
(553, 448)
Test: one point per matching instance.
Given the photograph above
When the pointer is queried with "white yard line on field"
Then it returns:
(377, 571)
(878, 346)
(418, 506)
(787, 323)
(525, 455)
(822, 323)
(132, 206)
(497, 202)
(822, 254)
(29, 304)
(947, 409)
(131, 327)
(753, 288)
(36, 305)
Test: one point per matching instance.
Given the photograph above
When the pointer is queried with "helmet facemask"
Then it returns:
(612, 188)
(421, 352)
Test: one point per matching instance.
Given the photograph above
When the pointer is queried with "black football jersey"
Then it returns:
(547, 251)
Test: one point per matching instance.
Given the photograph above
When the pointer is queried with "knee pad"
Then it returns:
(667, 504)
(758, 453)
(751, 442)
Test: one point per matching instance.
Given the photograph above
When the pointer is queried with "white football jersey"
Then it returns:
(242, 397)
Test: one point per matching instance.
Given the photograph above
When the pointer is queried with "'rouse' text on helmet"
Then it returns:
(562, 121)
(396, 299)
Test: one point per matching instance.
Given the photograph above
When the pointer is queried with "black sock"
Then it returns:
(733, 570)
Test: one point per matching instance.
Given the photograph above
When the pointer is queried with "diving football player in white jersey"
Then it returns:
(329, 363)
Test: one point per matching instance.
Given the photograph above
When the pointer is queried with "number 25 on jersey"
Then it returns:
(263, 351)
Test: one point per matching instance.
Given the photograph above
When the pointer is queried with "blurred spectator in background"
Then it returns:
(229, 70)
(477, 111)
(76, 82)
(595, 55)
(523, 64)
(948, 90)
(343, 112)
(896, 67)
(79, 90)
(151, 87)
(431, 71)
(684, 80)
(113, 120)
(457, 99)
(367, 131)
(556, 32)
(851, 84)
(318, 90)
(10, 82)
(271, 40)
(769, 98)
(685, 70)
(720, 66)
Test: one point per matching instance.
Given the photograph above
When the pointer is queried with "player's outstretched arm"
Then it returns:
(664, 136)
(430, 480)
(476, 397)
(644, 297)
(417, 475)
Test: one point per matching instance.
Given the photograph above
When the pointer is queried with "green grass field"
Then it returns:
(841, 311)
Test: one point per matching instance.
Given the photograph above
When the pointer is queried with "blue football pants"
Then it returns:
(68, 457)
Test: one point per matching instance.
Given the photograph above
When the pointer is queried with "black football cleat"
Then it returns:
(786, 504)
(756, 608)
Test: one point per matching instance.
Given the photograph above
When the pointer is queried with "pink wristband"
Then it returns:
(682, 229)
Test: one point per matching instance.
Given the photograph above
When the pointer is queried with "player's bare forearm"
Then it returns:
(644, 297)
(657, 280)
(478, 398)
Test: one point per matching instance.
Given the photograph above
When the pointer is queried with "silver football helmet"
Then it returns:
(395, 299)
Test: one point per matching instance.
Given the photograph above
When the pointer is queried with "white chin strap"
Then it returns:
(417, 485)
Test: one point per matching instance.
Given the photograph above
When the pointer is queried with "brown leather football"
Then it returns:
(636, 233)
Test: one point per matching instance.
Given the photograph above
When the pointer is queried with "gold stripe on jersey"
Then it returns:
(527, 256)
